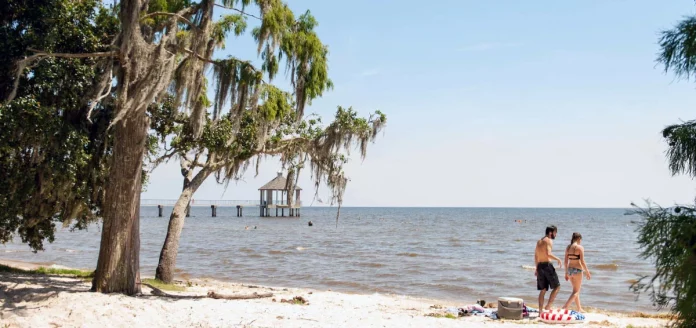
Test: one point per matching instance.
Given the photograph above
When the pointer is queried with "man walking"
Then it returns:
(545, 272)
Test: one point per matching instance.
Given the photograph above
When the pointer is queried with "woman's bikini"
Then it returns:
(573, 257)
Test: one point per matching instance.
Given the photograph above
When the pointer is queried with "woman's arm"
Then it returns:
(565, 261)
(582, 262)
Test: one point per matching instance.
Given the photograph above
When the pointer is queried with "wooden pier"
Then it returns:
(272, 195)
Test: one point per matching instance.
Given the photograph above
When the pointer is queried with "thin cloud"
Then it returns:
(490, 46)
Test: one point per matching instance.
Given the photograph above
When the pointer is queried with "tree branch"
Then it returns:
(164, 158)
(182, 18)
(41, 53)
(239, 11)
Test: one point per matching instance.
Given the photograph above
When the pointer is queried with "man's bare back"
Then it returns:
(543, 249)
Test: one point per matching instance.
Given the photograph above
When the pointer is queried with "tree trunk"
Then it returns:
(170, 249)
(119, 254)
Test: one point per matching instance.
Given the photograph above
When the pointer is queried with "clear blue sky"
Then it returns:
(495, 103)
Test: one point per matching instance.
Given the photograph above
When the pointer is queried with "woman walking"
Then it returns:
(575, 266)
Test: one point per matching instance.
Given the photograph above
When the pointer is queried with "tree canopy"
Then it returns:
(667, 236)
(52, 153)
(144, 70)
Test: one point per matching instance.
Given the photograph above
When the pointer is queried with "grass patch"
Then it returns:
(49, 271)
(164, 286)
(441, 315)
(652, 315)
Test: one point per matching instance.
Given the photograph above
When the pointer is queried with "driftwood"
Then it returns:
(215, 295)
(211, 294)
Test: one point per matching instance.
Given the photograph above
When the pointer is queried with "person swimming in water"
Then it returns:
(575, 266)
(545, 272)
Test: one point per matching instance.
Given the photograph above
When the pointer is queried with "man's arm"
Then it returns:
(549, 245)
(536, 261)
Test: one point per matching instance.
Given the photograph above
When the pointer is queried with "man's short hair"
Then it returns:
(551, 228)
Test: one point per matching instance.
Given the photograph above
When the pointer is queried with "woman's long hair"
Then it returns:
(576, 236)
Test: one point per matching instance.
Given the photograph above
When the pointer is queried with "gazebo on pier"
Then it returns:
(274, 195)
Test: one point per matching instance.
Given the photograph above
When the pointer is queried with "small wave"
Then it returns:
(300, 248)
(275, 252)
(407, 254)
(528, 267)
(609, 266)
(254, 256)
(246, 250)
(70, 250)
(370, 265)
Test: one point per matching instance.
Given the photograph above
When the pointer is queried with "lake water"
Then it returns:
(459, 254)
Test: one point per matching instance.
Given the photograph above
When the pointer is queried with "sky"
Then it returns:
(493, 104)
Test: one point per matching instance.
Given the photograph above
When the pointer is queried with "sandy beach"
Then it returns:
(29, 300)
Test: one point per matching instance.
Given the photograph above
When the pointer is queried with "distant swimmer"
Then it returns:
(310, 223)
(254, 227)
(246, 228)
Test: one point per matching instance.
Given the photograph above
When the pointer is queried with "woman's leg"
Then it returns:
(578, 282)
(576, 291)
(572, 295)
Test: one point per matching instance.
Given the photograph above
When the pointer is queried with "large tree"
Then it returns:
(163, 49)
(53, 147)
(252, 118)
(668, 235)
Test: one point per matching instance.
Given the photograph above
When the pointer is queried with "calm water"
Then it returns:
(445, 253)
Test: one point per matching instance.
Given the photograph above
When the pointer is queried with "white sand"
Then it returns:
(43, 301)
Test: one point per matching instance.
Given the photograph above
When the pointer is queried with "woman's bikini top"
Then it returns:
(573, 256)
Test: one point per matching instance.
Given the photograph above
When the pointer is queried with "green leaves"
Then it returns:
(678, 48)
(227, 23)
(667, 236)
(52, 158)
(681, 153)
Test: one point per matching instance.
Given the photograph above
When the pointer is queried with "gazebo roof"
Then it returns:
(278, 183)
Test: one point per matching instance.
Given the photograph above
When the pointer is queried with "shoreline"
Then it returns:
(40, 301)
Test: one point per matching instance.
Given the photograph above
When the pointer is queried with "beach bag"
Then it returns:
(510, 308)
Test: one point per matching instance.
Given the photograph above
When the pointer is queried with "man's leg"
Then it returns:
(542, 293)
(552, 297)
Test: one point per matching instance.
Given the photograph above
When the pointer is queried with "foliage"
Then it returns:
(52, 155)
(678, 48)
(681, 154)
(668, 237)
